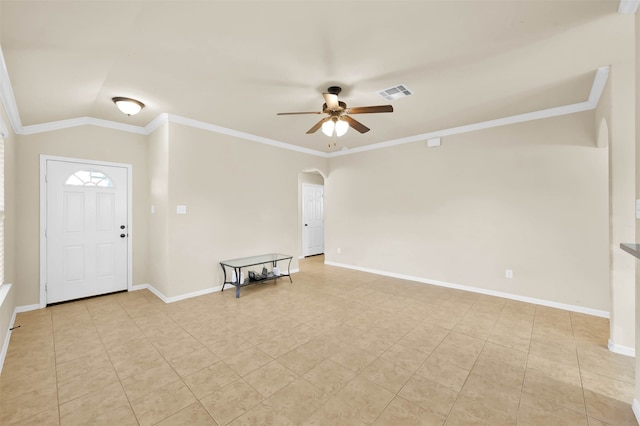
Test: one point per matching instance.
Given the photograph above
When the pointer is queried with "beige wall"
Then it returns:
(86, 142)
(530, 197)
(241, 200)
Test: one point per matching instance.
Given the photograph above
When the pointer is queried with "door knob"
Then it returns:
(306, 224)
(122, 226)
(122, 235)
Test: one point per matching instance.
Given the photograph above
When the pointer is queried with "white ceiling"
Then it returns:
(236, 64)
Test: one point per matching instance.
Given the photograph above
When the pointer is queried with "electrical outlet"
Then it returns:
(508, 273)
(339, 250)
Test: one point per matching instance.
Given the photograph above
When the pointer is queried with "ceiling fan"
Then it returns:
(337, 119)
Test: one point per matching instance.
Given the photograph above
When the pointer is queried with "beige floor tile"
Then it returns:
(387, 374)
(195, 361)
(162, 403)
(301, 360)
(210, 379)
(359, 402)
(506, 375)
(262, 415)
(87, 382)
(498, 397)
(329, 376)
(71, 369)
(495, 354)
(134, 357)
(353, 358)
(404, 357)
(536, 410)
(231, 401)
(557, 392)
(561, 372)
(596, 422)
(424, 338)
(457, 356)
(444, 373)
(108, 406)
(247, 361)
(467, 411)
(297, 401)
(429, 395)
(270, 378)
(402, 412)
(605, 386)
(22, 407)
(72, 350)
(26, 381)
(49, 417)
(192, 415)
(147, 381)
(224, 347)
(83, 362)
(555, 353)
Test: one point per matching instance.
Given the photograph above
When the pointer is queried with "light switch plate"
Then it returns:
(180, 209)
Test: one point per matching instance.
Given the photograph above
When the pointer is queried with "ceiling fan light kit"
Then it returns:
(335, 124)
(127, 105)
(338, 118)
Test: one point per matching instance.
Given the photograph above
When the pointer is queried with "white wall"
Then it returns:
(530, 197)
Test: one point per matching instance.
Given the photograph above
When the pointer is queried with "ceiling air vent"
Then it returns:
(396, 92)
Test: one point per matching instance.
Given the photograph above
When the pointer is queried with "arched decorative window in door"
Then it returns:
(89, 178)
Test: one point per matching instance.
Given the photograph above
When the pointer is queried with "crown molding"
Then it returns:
(7, 97)
(628, 7)
(242, 135)
(8, 100)
(77, 122)
(597, 87)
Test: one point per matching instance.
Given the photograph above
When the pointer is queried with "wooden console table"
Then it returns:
(236, 266)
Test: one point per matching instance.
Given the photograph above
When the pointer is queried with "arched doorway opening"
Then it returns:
(311, 213)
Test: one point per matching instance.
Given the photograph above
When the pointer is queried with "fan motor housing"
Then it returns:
(342, 105)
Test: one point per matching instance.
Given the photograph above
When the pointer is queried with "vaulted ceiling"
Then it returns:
(236, 64)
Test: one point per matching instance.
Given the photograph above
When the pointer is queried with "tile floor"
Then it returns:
(336, 347)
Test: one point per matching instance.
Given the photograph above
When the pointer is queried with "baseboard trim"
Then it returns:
(185, 296)
(5, 344)
(166, 299)
(635, 406)
(622, 350)
(542, 302)
(27, 308)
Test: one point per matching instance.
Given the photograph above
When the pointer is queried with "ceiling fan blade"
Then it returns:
(370, 109)
(298, 113)
(331, 100)
(317, 125)
(355, 124)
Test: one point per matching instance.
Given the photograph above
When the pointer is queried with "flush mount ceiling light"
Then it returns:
(127, 105)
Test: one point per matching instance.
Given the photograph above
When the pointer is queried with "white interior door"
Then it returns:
(312, 219)
(86, 230)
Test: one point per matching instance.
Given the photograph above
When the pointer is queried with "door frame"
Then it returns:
(43, 217)
(304, 236)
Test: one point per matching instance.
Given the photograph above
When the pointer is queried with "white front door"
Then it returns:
(312, 219)
(86, 229)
